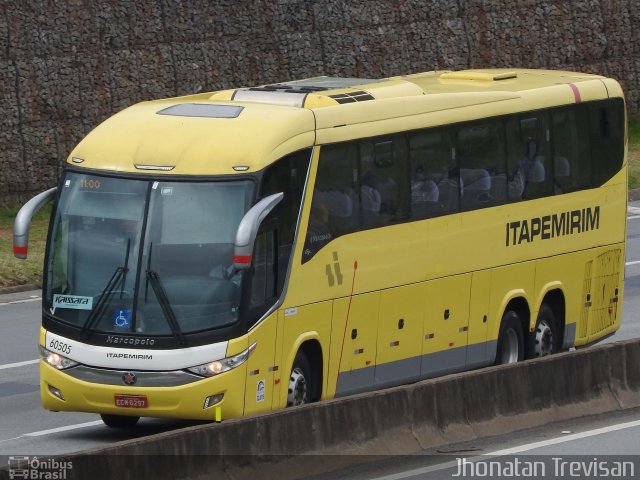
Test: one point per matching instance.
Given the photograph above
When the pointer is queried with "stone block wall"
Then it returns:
(66, 65)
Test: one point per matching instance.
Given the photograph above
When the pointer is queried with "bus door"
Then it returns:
(399, 335)
(446, 324)
(358, 339)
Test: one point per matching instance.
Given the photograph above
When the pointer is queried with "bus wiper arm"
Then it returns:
(119, 276)
(96, 313)
(165, 305)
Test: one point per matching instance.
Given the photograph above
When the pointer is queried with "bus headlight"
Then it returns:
(56, 360)
(220, 366)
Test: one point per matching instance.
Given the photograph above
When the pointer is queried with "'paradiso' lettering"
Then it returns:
(551, 226)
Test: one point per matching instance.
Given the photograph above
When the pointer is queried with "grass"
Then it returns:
(22, 272)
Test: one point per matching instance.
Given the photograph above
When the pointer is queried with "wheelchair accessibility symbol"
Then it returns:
(122, 318)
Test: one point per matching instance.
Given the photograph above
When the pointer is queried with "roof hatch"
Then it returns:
(475, 75)
(207, 110)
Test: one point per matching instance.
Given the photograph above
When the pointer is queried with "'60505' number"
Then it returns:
(60, 347)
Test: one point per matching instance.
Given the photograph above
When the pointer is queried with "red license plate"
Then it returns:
(131, 401)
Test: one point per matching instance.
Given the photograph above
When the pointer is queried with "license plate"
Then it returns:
(131, 401)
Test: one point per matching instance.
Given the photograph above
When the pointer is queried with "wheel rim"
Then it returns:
(510, 349)
(297, 388)
(544, 339)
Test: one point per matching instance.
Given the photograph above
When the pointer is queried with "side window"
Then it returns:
(606, 132)
(384, 188)
(435, 187)
(274, 243)
(263, 287)
(481, 153)
(288, 176)
(529, 165)
(571, 155)
(335, 208)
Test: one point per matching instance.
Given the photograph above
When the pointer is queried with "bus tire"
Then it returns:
(544, 339)
(119, 421)
(510, 339)
(299, 388)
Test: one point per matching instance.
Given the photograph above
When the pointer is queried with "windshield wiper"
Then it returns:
(119, 276)
(165, 305)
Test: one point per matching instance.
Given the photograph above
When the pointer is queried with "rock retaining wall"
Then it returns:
(67, 65)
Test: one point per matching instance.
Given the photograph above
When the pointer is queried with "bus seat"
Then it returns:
(477, 186)
(449, 192)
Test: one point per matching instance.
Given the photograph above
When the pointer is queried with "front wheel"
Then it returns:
(119, 421)
(299, 381)
(510, 339)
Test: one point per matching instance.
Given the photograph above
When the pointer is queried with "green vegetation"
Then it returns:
(20, 272)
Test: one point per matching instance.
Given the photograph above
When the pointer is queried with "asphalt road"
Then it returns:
(609, 438)
(631, 307)
(27, 429)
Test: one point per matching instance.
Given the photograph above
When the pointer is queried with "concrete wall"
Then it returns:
(67, 65)
(400, 420)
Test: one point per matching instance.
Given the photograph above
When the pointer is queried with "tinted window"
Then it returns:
(481, 153)
(335, 208)
(529, 165)
(571, 155)
(384, 185)
(385, 180)
(263, 281)
(606, 130)
(435, 187)
(274, 244)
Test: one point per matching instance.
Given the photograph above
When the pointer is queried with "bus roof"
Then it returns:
(246, 129)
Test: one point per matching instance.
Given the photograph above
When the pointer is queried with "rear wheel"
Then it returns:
(510, 339)
(544, 339)
(299, 391)
(119, 421)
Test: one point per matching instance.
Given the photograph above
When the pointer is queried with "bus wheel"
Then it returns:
(299, 381)
(119, 421)
(543, 339)
(510, 339)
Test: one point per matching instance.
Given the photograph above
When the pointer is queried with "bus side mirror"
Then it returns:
(248, 230)
(23, 220)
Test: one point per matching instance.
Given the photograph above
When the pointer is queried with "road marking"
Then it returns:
(511, 451)
(63, 429)
(636, 262)
(634, 217)
(18, 364)
(53, 430)
(633, 210)
(28, 300)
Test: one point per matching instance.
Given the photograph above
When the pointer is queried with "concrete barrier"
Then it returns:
(399, 420)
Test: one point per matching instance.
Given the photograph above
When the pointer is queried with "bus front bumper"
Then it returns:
(59, 391)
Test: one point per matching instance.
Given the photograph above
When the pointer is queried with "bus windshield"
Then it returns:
(149, 257)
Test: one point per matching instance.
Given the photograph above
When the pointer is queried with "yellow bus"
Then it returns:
(229, 253)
